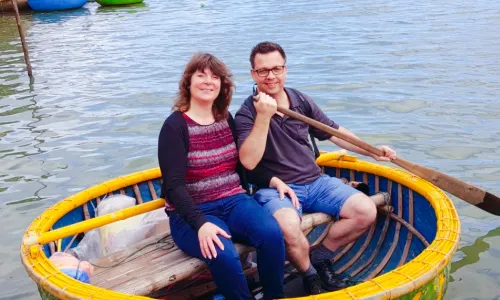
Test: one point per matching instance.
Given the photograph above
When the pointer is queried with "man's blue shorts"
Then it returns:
(326, 194)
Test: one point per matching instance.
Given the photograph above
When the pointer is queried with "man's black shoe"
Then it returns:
(330, 282)
(312, 284)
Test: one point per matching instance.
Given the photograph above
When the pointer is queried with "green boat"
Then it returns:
(118, 2)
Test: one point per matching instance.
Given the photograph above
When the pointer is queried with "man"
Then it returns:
(271, 143)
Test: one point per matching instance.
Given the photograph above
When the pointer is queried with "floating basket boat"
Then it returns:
(117, 2)
(406, 254)
(54, 5)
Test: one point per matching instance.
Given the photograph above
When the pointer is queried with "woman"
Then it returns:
(207, 206)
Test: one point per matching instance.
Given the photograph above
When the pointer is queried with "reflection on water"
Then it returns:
(472, 252)
(11, 57)
(57, 17)
(422, 78)
(474, 265)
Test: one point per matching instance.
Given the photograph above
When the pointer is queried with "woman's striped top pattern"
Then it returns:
(212, 158)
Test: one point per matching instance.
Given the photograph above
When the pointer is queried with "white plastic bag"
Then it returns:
(121, 234)
(114, 203)
(118, 235)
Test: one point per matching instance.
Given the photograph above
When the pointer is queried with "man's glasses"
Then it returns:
(276, 71)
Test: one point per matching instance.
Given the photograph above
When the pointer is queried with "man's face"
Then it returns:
(269, 72)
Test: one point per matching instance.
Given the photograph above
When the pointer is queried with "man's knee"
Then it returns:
(368, 213)
(362, 209)
(290, 222)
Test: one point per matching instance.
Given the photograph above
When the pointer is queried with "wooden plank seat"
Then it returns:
(155, 265)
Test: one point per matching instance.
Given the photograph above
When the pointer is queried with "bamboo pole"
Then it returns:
(23, 41)
(33, 238)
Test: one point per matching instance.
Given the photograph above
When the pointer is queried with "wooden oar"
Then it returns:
(454, 186)
(46, 237)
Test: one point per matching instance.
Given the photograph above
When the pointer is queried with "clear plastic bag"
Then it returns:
(121, 234)
(89, 248)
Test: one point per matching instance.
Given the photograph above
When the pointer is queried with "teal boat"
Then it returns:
(55, 5)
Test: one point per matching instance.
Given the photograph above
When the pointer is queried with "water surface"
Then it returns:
(422, 77)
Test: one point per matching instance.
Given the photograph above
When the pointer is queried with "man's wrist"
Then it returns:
(262, 119)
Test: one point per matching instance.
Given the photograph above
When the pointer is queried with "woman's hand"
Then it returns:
(283, 189)
(207, 235)
(389, 154)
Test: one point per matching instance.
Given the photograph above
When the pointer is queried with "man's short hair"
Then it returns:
(264, 48)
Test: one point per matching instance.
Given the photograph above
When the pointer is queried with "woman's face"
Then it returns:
(205, 86)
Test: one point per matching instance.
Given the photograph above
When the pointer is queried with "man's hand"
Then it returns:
(265, 105)
(388, 154)
(283, 189)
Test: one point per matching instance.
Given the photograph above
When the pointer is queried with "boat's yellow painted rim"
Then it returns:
(402, 280)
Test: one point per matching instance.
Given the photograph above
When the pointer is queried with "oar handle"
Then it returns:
(357, 142)
(33, 238)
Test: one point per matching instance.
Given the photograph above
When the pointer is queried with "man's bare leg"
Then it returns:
(297, 246)
(357, 214)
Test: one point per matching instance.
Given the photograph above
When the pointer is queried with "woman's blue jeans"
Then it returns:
(249, 223)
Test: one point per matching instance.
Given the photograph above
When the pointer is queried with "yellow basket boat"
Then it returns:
(406, 254)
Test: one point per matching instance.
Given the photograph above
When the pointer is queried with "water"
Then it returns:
(422, 77)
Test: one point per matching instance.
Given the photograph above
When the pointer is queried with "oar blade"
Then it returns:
(491, 204)
(467, 192)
